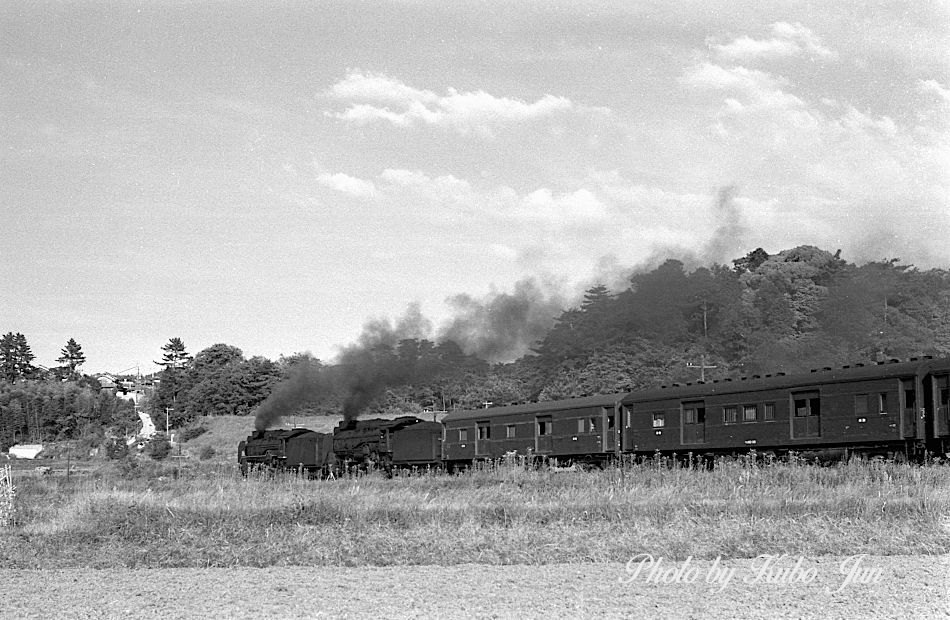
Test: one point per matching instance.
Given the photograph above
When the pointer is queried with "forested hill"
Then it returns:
(792, 311)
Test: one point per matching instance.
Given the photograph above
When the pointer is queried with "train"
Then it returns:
(891, 409)
(405, 441)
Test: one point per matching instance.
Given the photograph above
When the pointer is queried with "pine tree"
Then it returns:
(16, 358)
(176, 361)
(8, 357)
(72, 357)
(174, 354)
(24, 356)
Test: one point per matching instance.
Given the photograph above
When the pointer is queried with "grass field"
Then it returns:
(210, 516)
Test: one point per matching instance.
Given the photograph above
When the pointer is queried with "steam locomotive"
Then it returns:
(365, 444)
(891, 409)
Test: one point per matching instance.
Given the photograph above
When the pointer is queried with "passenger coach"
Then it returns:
(887, 408)
(893, 409)
(580, 429)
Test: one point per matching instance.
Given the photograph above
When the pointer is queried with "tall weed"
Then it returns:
(506, 512)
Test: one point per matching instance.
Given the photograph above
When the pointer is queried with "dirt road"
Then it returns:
(879, 587)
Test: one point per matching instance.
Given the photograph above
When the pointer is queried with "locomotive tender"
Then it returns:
(892, 409)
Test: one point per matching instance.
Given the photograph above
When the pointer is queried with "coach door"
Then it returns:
(482, 439)
(806, 418)
(543, 428)
(937, 409)
(694, 422)
(908, 404)
(609, 437)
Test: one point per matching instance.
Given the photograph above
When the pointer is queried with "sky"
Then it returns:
(272, 175)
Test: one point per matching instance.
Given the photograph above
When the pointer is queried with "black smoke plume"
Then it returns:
(362, 373)
(306, 383)
(504, 326)
(499, 327)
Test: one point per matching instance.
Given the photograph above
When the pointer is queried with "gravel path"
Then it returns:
(899, 587)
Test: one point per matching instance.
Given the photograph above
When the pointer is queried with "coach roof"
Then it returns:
(608, 400)
(856, 372)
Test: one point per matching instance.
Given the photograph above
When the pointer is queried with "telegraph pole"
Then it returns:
(702, 367)
(702, 358)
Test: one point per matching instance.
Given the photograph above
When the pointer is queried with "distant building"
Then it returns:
(107, 381)
(26, 451)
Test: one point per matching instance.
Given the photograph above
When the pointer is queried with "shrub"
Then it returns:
(116, 449)
(206, 453)
(158, 448)
(128, 466)
(190, 432)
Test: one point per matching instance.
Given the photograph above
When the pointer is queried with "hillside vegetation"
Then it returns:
(799, 309)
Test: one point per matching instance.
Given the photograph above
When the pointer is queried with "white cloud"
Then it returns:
(846, 174)
(936, 88)
(376, 97)
(379, 88)
(446, 189)
(545, 207)
(550, 230)
(753, 88)
(346, 184)
(787, 40)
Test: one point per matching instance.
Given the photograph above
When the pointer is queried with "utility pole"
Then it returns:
(702, 358)
(702, 367)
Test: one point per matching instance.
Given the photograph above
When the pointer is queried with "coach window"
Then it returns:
(910, 395)
(694, 413)
(861, 405)
(593, 425)
(484, 430)
(882, 402)
(768, 413)
(659, 420)
(463, 434)
(807, 405)
(510, 431)
(611, 423)
(544, 426)
(581, 425)
(750, 413)
(730, 414)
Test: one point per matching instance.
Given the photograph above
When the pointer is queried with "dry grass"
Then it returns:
(504, 514)
(7, 497)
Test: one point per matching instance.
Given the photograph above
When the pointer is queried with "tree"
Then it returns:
(16, 358)
(216, 357)
(72, 357)
(175, 361)
(174, 355)
(751, 261)
(8, 366)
